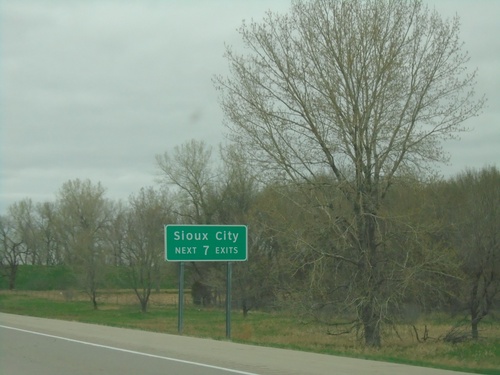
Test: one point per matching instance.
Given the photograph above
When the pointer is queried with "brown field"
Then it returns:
(114, 297)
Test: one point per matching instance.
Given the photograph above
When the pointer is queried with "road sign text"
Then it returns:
(199, 243)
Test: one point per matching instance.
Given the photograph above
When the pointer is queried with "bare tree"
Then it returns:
(84, 216)
(46, 222)
(237, 187)
(26, 237)
(12, 250)
(117, 234)
(238, 190)
(23, 216)
(144, 241)
(475, 216)
(360, 91)
(189, 168)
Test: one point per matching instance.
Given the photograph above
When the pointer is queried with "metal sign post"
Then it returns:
(228, 299)
(206, 243)
(180, 313)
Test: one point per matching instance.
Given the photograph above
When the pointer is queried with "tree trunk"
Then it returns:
(371, 325)
(144, 305)
(475, 332)
(143, 297)
(94, 300)
(12, 276)
(368, 271)
(372, 334)
(474, 306)
(245, 307)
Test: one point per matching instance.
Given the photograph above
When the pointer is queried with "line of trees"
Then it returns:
(335, 115)
(440, 240)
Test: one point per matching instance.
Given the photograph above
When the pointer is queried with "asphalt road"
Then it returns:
(44, 346)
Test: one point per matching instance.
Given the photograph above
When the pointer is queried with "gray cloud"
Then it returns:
(97, 89)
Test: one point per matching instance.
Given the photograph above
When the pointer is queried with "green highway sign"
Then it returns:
(205, 243)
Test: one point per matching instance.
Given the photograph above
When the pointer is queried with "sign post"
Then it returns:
(206, 243)
(228, 299)
(181, 298)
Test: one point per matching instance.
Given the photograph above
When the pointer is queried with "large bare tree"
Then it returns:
(360, 91)
(144, 241)
(189, 169)
(84, 217)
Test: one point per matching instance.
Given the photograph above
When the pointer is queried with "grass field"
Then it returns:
(121, 309)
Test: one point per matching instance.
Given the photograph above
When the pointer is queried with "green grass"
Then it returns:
(36, 277)
(23, 304)
(32, 277)
(267, 329)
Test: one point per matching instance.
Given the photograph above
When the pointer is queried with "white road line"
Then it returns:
(132, 351)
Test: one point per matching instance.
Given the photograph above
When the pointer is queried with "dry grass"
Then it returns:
(114, 297)
(400, 343)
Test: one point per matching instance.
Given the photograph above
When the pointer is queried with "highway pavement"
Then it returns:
(39, 346)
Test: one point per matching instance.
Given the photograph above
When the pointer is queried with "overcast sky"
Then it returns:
(95, 89)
